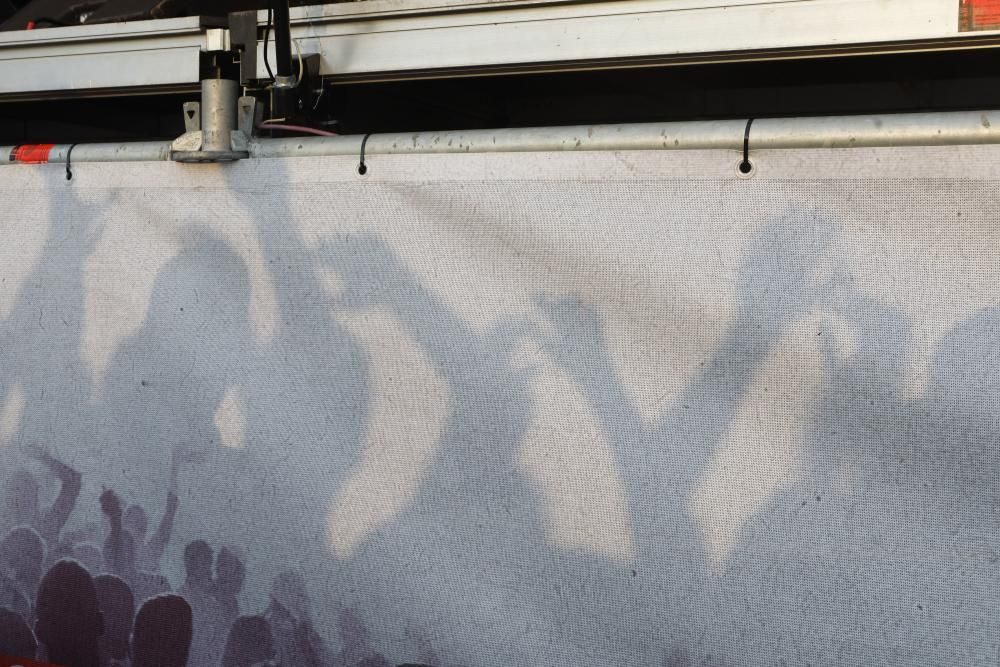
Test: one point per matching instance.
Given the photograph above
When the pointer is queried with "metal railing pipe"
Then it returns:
(916, 129)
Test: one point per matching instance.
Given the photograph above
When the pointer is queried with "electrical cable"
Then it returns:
(270, 125)
(322, 90)
(282, 39)
(267, 32)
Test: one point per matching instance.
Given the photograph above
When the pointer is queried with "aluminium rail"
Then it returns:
(105, 59)
(379, 40)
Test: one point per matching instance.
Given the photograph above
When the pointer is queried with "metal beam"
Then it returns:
(406, 39)
(95, 58)
(391, 39)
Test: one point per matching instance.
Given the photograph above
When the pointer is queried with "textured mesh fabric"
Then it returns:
(539, 409)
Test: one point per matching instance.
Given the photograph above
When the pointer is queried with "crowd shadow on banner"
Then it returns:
(664, 463)
(454, 570)
(39, 359)
(847, 519)
(42, 373)
(487, 571)
(887, 543)
(173, 430)
(875, 539)
(43, 385)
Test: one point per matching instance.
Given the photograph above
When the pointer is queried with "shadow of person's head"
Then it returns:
(202, 294)
(250, 642)
(22, 550)
(119, 555)
(136, 522)
(16, 638)
(198, 559)
(21, 497)
(290, 592)
(161, 636)
(230, 572)
(117, 604)
(90, 556)
(69, 620)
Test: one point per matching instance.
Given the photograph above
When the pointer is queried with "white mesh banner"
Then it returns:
(514, 409)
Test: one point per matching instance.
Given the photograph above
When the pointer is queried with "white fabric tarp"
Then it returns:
(536, 409)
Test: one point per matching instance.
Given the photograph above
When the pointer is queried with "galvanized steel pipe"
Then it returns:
(918, 129)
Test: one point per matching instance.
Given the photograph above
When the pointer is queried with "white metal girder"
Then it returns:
(94, 58)
(389, 39)
(400, 39)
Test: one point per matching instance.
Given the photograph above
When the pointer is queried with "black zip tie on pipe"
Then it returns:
(746, 166)
(362, 167)
(69, 155)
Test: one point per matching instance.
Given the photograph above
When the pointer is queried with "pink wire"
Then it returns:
(296, 128)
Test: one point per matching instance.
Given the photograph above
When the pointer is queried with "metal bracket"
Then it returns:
(217, 128)
(187, 142)
(243, 38)
(246, 119)
(192, 116)
(217, 39)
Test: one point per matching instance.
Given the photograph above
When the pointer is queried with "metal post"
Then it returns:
(218, 113)
(210, 138)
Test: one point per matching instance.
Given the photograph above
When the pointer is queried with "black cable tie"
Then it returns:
(746, 166)
(69, 170)
(362, 167)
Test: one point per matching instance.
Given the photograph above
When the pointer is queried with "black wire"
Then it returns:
(267, 33)
(362, 167)
(746, 166)
(69, 170)
(281, 24)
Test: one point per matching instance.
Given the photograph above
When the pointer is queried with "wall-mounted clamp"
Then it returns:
(218, 129)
